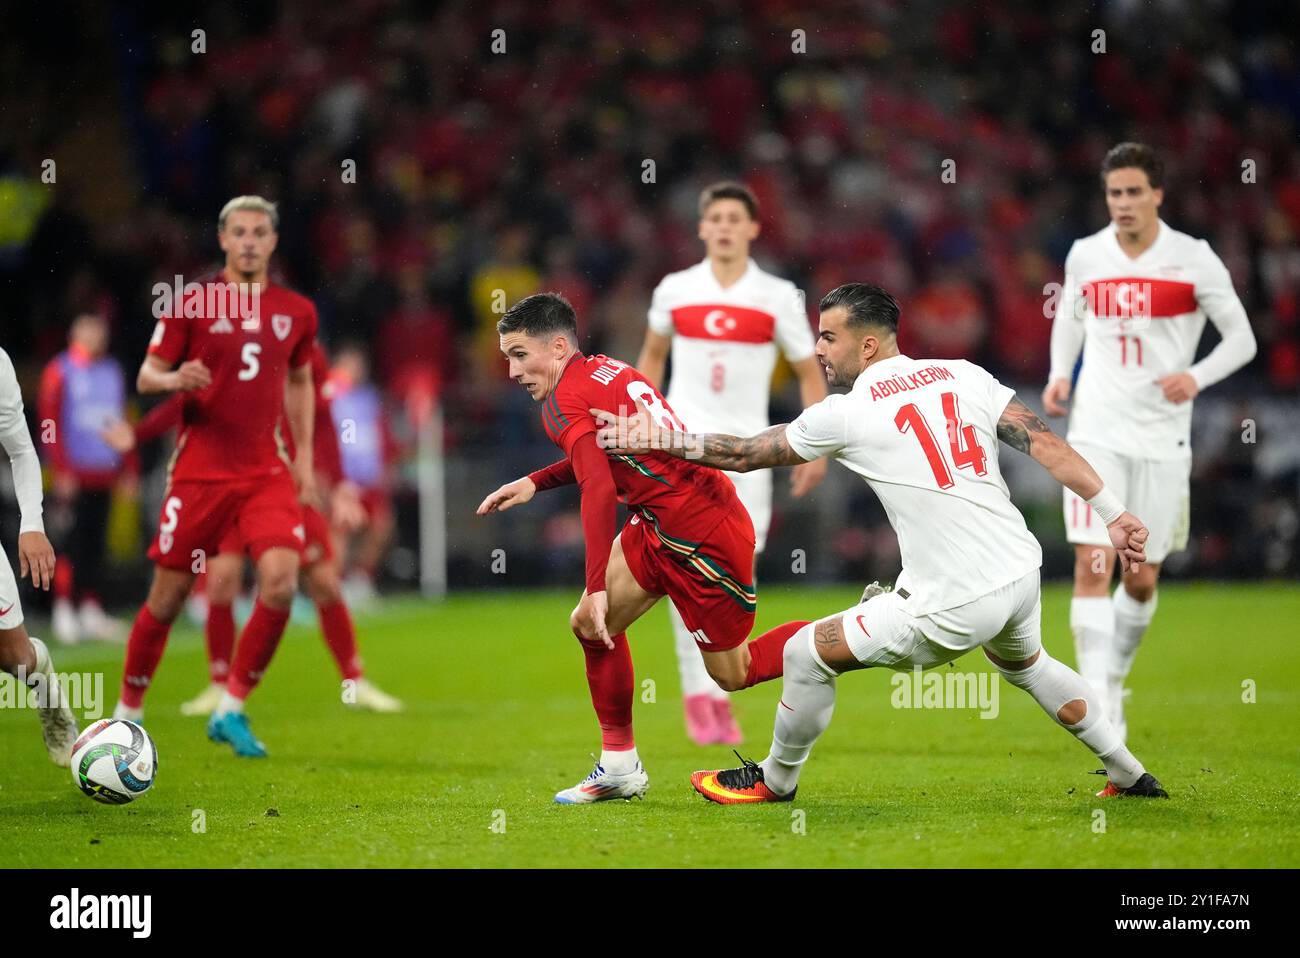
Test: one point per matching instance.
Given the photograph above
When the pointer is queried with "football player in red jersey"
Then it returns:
(244, 348)
(321, 568)
(688, 537)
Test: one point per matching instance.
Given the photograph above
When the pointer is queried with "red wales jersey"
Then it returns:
(229, 431)
(682, 498)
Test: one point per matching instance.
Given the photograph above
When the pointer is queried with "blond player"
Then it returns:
(1137, 295)
(723, 320)
(923, 433)
(21, 655)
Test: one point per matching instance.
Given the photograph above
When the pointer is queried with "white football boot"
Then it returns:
(64, 622)
(205, 701)
(58, 725)
(366, 695)
(96, 624)
(601, 786)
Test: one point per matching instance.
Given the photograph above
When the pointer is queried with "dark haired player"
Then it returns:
(688, 538)
(723, 320)
(245, 357)
(1137, 295)
(924, 435)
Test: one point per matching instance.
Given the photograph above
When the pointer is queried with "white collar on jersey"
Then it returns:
(750, 267)
(880, 369)
(1162, 230)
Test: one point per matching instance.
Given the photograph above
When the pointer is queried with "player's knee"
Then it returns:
(322, 585)
(1140, 588)
(728, 672)
(165, 600)
(580, 625)
(1072, 712)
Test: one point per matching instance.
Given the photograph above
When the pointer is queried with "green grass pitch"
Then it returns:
(498, 719)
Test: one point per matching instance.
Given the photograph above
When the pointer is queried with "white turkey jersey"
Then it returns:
(923, 434)
(724, 344)
(1139, 320)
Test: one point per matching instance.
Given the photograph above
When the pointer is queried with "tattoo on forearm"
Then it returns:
(1018, 424)
(763, 451)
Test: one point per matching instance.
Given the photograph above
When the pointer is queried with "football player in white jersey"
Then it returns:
(723, 320)
(21, 655)
(1136, 298)
(924, 435)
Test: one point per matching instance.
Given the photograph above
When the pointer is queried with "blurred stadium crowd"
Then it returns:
(526, 170)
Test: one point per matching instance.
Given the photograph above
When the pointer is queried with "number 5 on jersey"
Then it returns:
(967, 453)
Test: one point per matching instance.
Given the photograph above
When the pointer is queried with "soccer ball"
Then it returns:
(114, 761)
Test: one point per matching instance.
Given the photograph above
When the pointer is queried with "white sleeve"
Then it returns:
(793, 334)
(1215, 295)
(18, 444)
(1067, 327)
(820, 431)
(660, 317)
(996, 395)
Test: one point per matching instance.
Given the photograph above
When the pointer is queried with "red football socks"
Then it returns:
(144, 650)
(609, 676)
(220, 635)
(341, 637)
(767, 651)
(256, 647)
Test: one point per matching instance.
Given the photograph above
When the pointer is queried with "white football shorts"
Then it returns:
(1157, 492)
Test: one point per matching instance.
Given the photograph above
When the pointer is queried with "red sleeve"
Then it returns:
(302, 350)
(553, 476)
(162, 418)
(566, 416)
(599, 507)
(170, 339)
(49, 407)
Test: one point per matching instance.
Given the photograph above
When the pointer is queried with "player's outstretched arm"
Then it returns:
(629, 435)
(1020, 428)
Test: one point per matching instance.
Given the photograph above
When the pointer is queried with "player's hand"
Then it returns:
(511, 494)
(1129, 537)
(192, 374)
(595, 606)
(346, 511)
(621, 434)
(1055, 395)
(118, 436)
(304, 480)
(807, 477)
(36, 556)
(1179, 388)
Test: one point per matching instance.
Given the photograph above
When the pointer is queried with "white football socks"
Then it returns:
(1131, 621)
(228, 704)
(122, 711)
(41, 681)
(619, 763)
(802, 714)
(1052, 684)
(696, 679)
(1092, 621)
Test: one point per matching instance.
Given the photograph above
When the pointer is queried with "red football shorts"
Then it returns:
(315, 546)
(708, 581)
(205, 516)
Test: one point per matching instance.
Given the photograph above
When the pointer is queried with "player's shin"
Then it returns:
(1132, 618)
(256, 648)
(144, 649)
(1093, 623)
(804, 712)
(612, 686)
(765, 653)
(1072, 703)
(219, 634)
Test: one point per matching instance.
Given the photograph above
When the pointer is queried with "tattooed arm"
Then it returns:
(1021, 429)
(629, 435)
